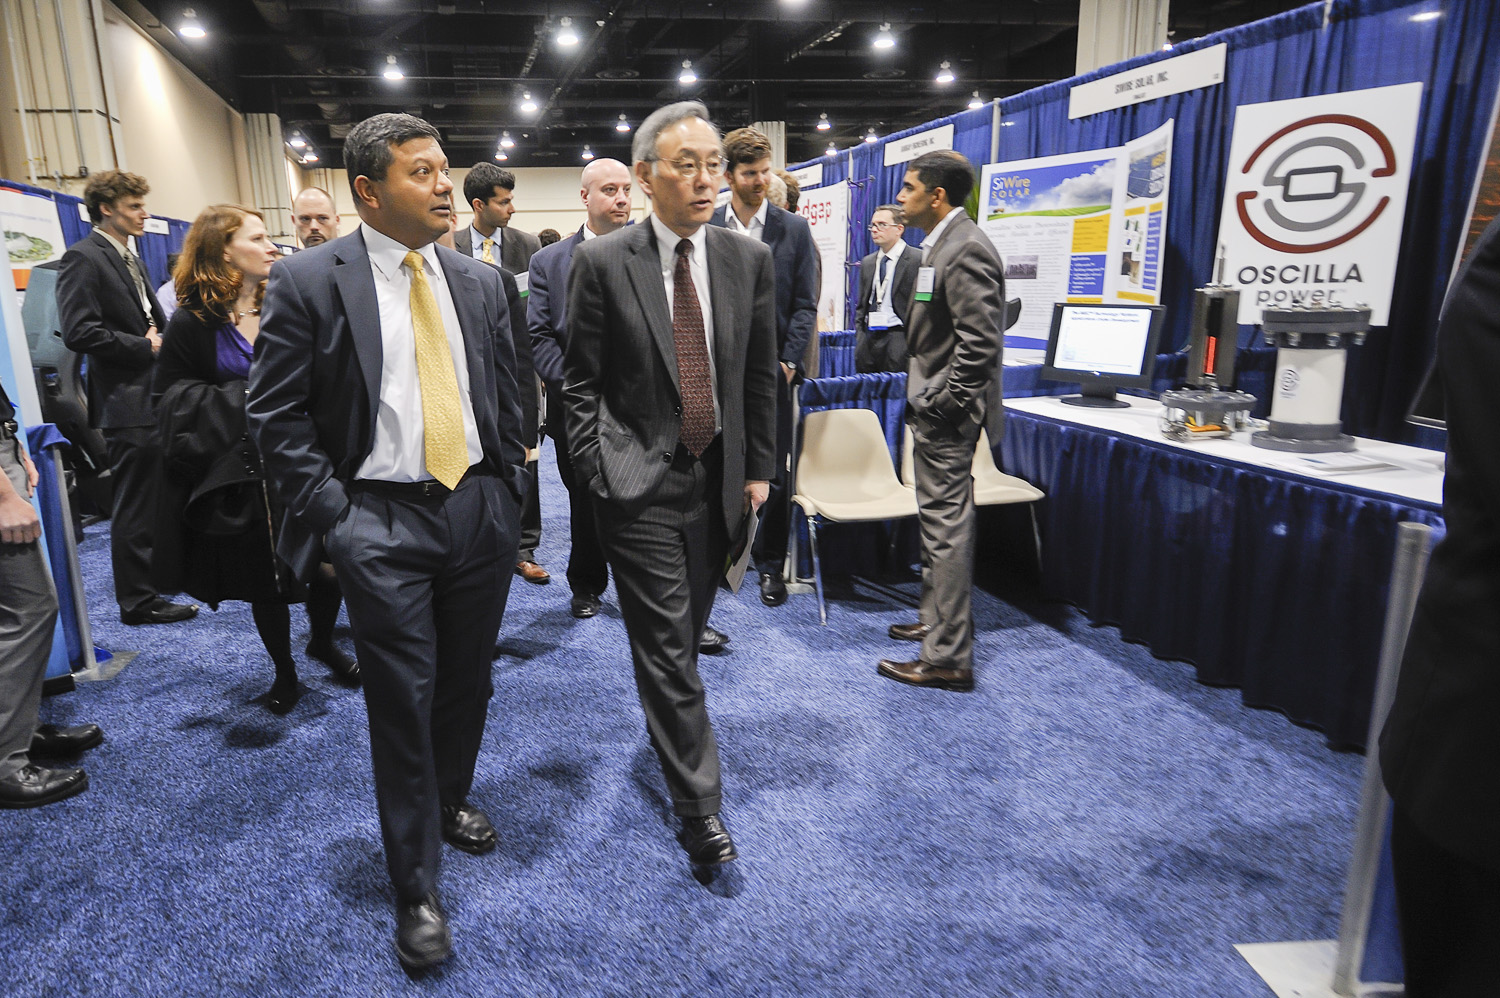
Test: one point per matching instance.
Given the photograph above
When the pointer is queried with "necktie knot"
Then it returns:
(412, 261)
(684, 247)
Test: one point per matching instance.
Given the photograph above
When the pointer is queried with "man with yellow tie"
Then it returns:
(383, 399)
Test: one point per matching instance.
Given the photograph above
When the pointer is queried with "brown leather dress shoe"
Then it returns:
(909, 632)
(532, 572)
(920, 673)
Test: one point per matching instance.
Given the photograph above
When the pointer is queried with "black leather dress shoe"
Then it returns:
(920, 673)
(422, 936)
(909, 632)
(772, 589)
(49, 739)
(33, 786)
(711, 642)
(283, 695)
(344, 668)
(706, 841)
(584, 605)
(159, 611)
(468, 828)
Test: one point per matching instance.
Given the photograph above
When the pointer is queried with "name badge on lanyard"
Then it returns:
(926, 277)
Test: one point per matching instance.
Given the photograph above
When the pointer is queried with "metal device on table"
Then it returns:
(1312, 350)
(1209, 406)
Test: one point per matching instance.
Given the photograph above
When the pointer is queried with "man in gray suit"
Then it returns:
(670, 387)
(952, 389)
(383, 402)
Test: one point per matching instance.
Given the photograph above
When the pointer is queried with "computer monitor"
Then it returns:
(1102, 348)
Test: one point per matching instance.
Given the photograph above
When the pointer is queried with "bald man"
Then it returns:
(315, 217)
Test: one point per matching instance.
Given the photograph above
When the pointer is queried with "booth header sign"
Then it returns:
(1163, 78)
(907, 149)
(809, 176)
(1316, 197)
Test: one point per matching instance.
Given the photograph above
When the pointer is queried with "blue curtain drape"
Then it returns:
(836, 354)
(153, 247)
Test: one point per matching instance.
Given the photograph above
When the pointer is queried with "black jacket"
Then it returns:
(884, 350)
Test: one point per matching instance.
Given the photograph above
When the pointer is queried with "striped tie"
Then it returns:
(447, 455)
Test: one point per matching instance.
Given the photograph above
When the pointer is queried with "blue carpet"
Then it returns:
(1091, 822)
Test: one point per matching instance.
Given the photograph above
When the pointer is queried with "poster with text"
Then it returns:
(32, 232)
(1315, 199)
(827, 212)
(1086, 227)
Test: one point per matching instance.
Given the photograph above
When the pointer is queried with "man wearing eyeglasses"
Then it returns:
(670, 385)
(886, 279)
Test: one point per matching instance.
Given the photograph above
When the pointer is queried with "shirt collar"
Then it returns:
(667, 240)
(759, 216)
(895, 251)
(120, 247)
(480, 237)
(937, 230)
(387, 255)
(589, 233)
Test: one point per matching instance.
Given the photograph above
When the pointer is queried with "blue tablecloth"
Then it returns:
(1271, 583)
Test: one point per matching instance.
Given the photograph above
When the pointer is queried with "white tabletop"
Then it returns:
(1416, 474)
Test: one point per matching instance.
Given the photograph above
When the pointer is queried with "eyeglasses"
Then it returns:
(877, 226)
(687, 169)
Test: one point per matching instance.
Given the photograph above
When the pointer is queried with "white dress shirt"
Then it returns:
(883, 314)
(141, 289)
(398, 453)
(937, 230)
(666, 246)
(757, 227)
(477, 238)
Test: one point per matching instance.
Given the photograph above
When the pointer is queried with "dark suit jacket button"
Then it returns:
(667, 458)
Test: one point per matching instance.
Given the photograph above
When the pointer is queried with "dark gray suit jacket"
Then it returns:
(547, 308)
(315, 382)
(954, 339)
(525, 369)
(101, 316)
(884, 351)
(516, 247)
(621, 391)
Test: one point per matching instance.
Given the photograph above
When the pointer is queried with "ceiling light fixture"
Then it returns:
(830, 151)
(527, 104)
(587, 152)
(297, 142)
(501, 155)
(945, 73)
(310, 156)
(1426, 15)
(392, 71)
(687, 76)
(506, 142)
(883, 38)
(622, 125)
(566, 36)
(976, 102)
(823, 123)
(190, 28)
(870, 135)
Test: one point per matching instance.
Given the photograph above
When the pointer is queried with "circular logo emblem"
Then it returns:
(1288, 381)
(1316, 183)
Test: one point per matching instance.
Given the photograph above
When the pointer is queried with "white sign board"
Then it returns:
(1162, 78)
(1315, 199)
(905, 150)
(1086, 227)
(809, 176)
(32, 232)
(827, 212)
(158, 226)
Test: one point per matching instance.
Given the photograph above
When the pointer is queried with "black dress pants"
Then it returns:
(667, 561)
(134, 470)
(425, 582)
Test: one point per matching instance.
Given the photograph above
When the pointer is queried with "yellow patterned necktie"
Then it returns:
(485, 255)
(447, 455)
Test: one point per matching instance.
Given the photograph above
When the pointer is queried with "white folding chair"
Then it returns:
(845, 475)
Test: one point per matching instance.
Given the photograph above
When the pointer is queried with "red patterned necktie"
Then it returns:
(695, 382)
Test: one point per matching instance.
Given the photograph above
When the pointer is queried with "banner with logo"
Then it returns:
(1315, 199)
(1085, 227)
(827, 211)
(33, 234)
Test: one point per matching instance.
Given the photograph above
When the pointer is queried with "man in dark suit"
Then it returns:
(670, 388)
(748, 153)
(952, 389)
(1437, 752)
(383, 400)
(468, 241)
(606, 201)
(886, 278)
(495, 191)
(107, 311)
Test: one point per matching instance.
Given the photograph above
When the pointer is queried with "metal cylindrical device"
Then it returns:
(1312, 344)
(1214, 337)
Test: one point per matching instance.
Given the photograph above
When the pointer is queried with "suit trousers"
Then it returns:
(943, 457)
(775, 513)
(134, 470)
(1449, 910)
(667, 561)
(588, 572)
(531, 515)
(425, 582)
(28, 616)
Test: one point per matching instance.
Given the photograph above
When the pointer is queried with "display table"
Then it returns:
(1222, 554)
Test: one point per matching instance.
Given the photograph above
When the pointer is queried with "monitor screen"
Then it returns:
(1103, 347)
